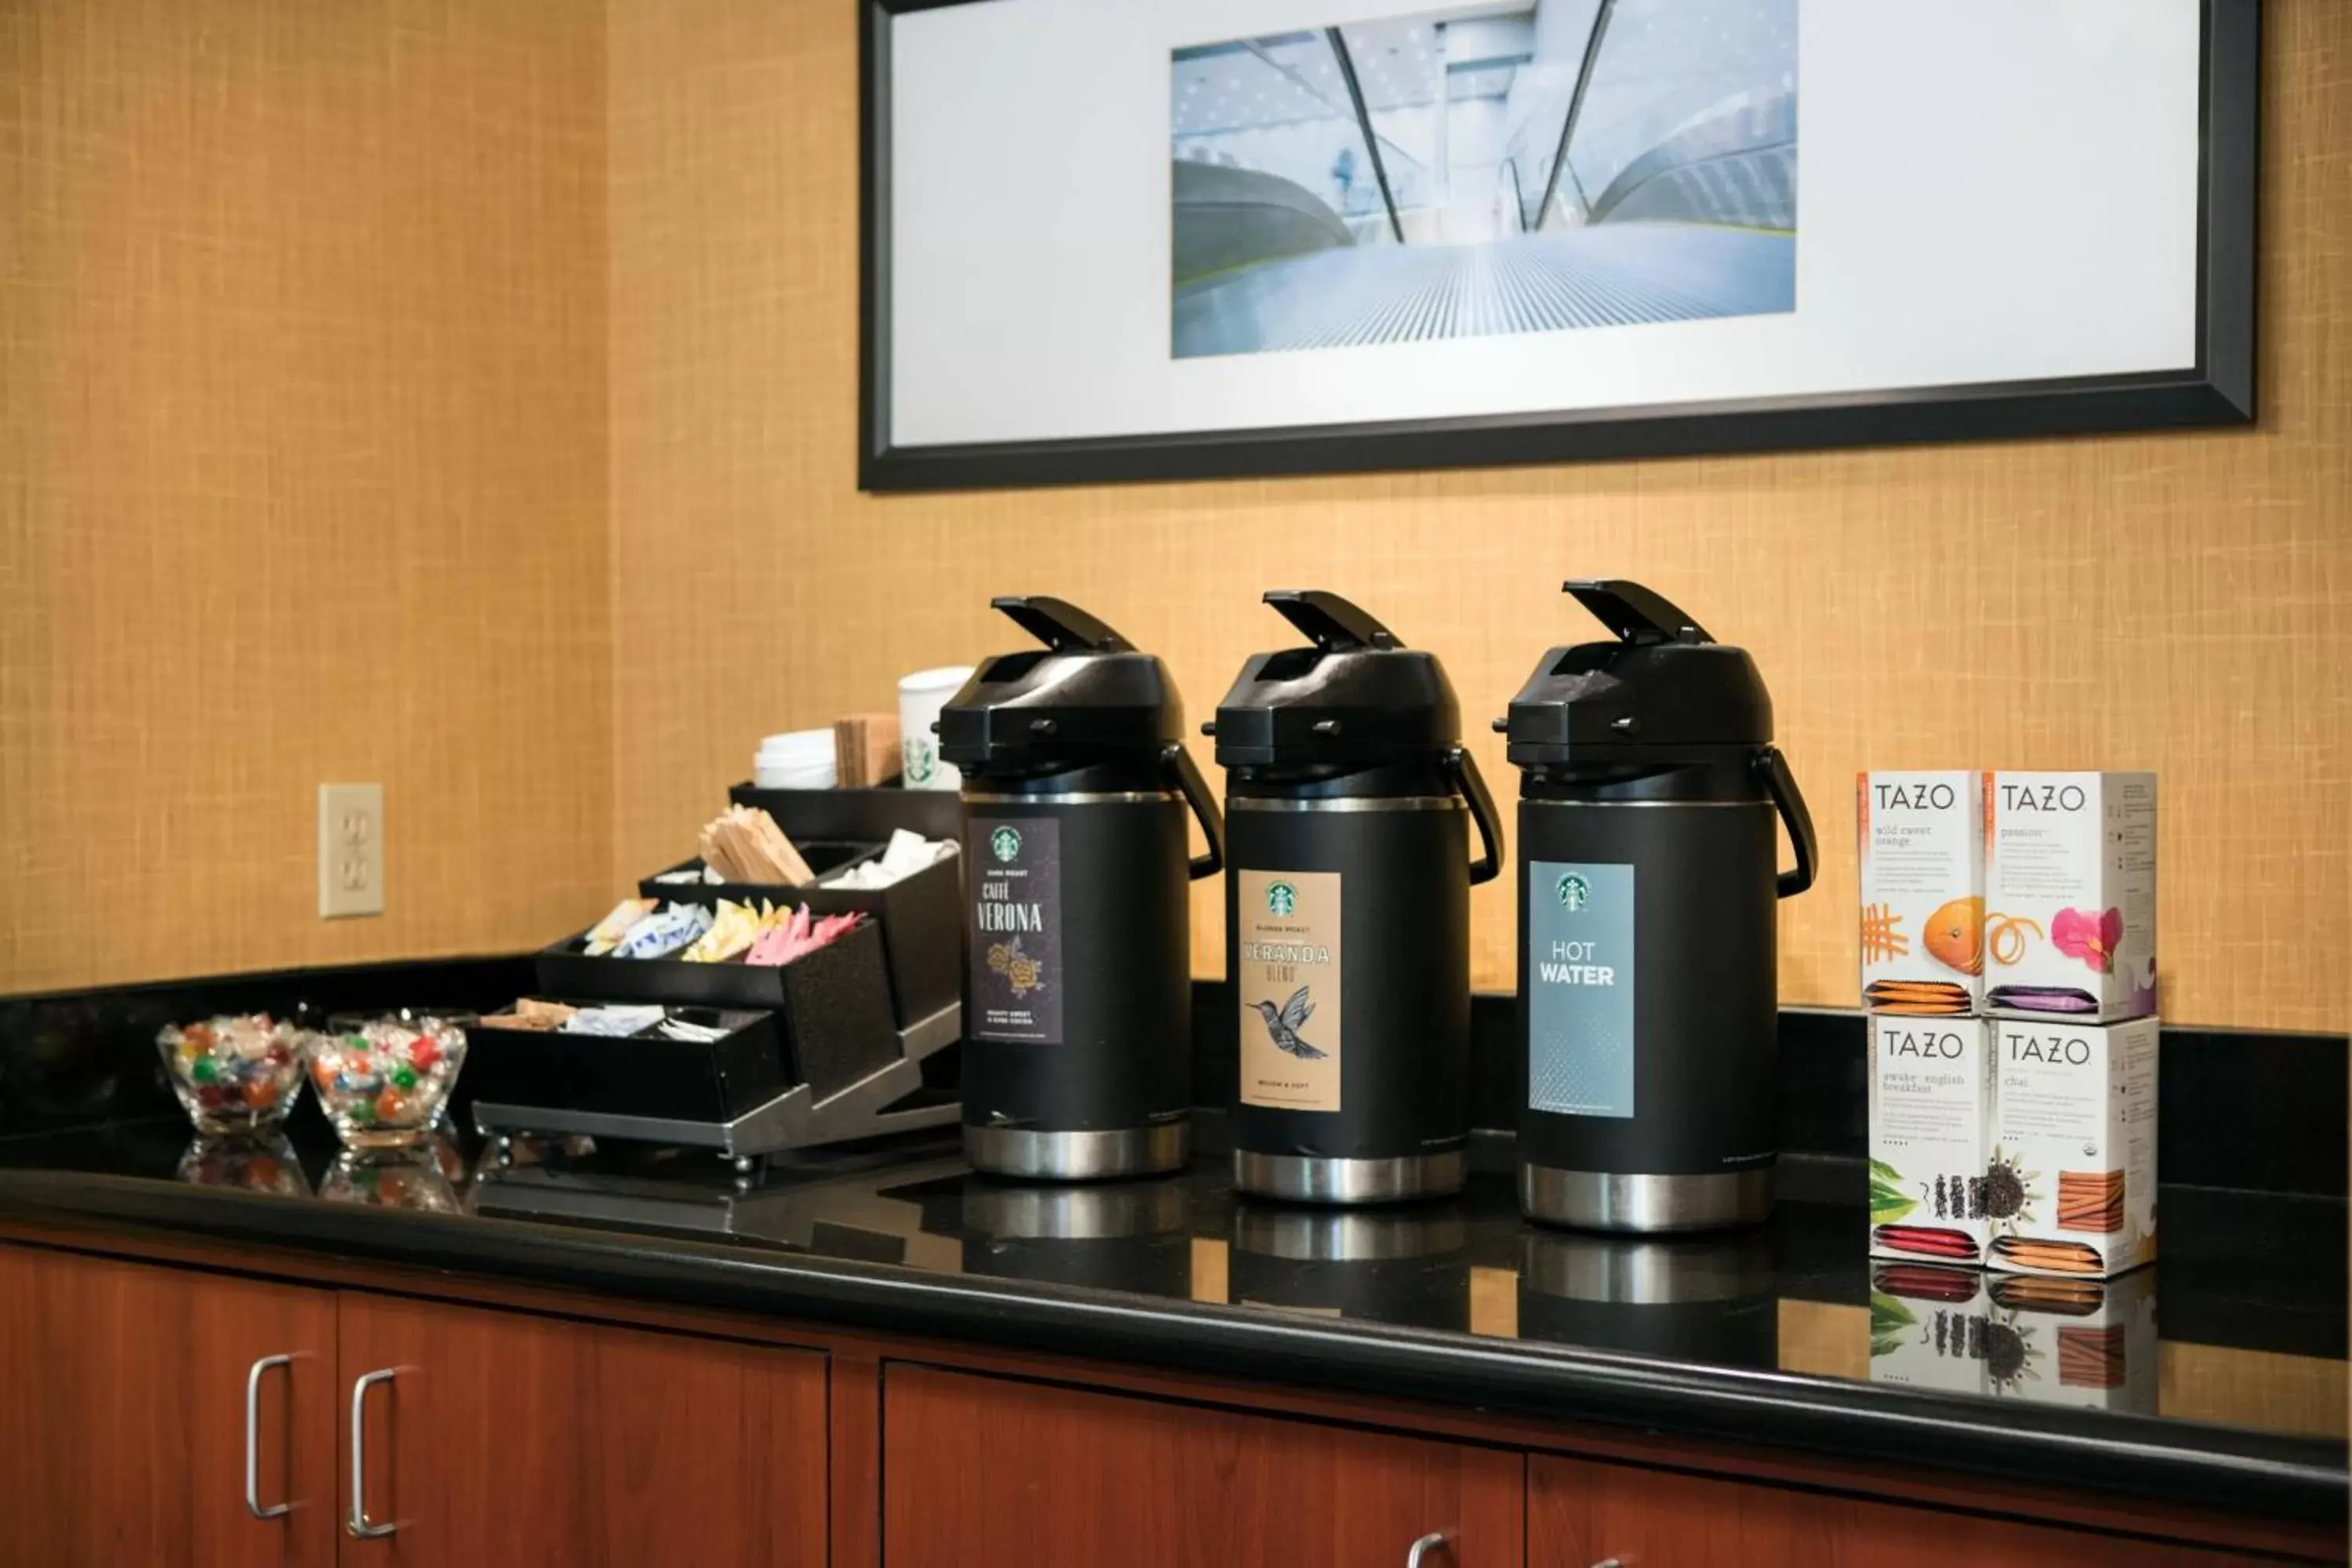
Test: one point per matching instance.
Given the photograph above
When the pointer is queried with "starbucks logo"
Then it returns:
(1005, 844)
(922, 761)
(1574, 892)
(1281, 899)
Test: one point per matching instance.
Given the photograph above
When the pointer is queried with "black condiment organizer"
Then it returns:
(646, 1074)
(817, 1037)
(920, 917)
(833, 1004)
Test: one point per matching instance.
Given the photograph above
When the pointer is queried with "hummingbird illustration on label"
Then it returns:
(1283, 1027)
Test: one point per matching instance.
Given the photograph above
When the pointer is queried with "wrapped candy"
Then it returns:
(234, 1074)
(382, 1081)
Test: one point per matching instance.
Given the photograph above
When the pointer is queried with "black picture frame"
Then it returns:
(2218, 390)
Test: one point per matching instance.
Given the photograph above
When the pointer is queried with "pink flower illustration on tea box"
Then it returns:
(2092, 938)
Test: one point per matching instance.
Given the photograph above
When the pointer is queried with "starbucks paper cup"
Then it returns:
(920, 697)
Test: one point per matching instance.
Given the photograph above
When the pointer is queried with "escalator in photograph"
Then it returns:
(1486, 170)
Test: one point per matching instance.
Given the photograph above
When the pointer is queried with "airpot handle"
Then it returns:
(1781, 786)
(1060, 625)
(1195, 791)
(1634, 613)
(1330, 622)
(1466, 778)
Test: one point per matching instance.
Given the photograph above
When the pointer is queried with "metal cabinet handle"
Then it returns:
(1436, 1541)
(253, 1439)
(358, 1525)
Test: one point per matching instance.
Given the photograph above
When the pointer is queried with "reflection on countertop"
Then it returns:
(2243, 1323)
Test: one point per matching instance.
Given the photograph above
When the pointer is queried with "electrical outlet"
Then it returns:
(351, 850)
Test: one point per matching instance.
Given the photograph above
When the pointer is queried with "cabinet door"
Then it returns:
(513, 1439)
(982, 1472)
(122, 1416)
(1580, 1514)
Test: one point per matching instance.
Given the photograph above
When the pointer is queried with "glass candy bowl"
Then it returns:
(234, 1074)
(384, 1079)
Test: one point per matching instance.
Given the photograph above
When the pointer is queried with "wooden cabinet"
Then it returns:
(1581, 1514)
(527, 1436)
(984, 1472)
(500, 1437)
(512, 1439)
(123, 1419)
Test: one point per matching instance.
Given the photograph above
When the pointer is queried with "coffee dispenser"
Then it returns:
(1347, 911)
(1077, 1058)
(1648, 1011)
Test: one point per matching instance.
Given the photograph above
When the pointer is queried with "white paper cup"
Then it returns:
(771, 777)
(920, 697)
(803, 759)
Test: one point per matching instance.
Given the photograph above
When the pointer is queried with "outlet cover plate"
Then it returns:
(351, 850)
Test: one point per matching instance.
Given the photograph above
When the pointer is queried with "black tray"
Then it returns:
(637, 1075)
(857, 813)
(921, 917)
(833, 1005)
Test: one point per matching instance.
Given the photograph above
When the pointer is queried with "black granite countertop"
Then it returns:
(1785, 1336)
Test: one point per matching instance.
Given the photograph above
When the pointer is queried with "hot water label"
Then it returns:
(1016, 929)
(1579, 930)
(1288, 926)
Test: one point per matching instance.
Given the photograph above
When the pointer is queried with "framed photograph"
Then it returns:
(1145, 239)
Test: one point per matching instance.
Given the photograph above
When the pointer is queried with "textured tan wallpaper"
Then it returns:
(2182, 603)
(301, 475)
(317, 460)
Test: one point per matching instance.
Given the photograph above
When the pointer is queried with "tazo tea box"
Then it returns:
(2089, 1342)
(2069, 894)
(2071, 1187)
(1931, 1129)
(1928, 1326)
(1922, 892)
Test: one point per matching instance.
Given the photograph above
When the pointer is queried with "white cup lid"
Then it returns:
(797, 745)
